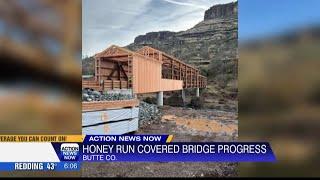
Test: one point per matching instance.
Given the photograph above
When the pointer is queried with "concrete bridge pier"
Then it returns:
(197, 92)
(160, 98)
(183, 95)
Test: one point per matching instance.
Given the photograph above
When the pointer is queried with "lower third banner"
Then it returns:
(160, 148)
(66, 153)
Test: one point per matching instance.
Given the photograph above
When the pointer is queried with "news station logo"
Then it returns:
(69, 151)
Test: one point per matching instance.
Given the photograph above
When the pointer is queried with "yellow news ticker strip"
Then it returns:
(41, 138)
(169, 139)
(50, 138)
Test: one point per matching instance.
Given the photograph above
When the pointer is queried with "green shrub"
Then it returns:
(150, 100)
(174, 100)
(196, 102)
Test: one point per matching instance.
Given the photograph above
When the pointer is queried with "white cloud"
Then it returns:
(186, 4)
(119, 22)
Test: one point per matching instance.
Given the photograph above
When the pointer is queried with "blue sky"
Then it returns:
(261, 18)
(107, 22)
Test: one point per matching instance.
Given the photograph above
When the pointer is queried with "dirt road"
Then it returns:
(186, 125)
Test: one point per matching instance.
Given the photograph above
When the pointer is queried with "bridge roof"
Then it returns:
(145, 49)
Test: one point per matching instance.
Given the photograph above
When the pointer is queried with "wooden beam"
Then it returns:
(123, 71)
(112, 85)
(112, 55)
(122, 59)
(119, 72)
(112, 72)
(172, 72)
(101, 105)
(191, 77)
(97, 68)
(198, 79)
(186, 78)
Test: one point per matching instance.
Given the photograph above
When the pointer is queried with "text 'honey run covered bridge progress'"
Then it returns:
(147, 70)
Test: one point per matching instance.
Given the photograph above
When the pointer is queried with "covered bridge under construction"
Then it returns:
(147, 70)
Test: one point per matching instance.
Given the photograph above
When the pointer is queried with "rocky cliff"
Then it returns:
(214, 38)
(212, 45)
(222, 11)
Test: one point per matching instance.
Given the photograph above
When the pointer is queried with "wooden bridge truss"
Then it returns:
(145, 71)
(173, 68)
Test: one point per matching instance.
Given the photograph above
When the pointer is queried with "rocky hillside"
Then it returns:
(214, 38)
(211, 45)
(88, 66)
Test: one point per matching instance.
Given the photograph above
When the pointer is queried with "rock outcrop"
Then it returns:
(222, 11)
(214, 38)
